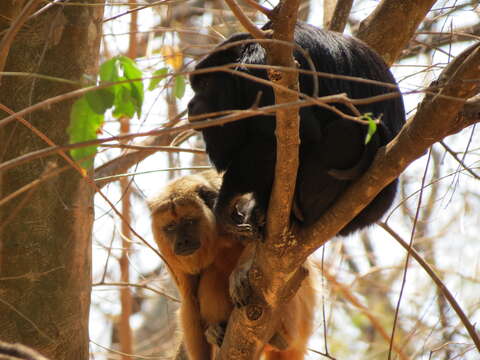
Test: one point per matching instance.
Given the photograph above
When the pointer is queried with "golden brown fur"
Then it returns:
(202, 276)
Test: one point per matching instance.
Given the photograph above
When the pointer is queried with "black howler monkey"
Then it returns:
(333, 152)
(201, 260)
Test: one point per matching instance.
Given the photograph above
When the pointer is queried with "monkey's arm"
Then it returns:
(191, 322)
(240, 292)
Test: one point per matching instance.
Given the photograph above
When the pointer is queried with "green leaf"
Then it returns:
(179, 86)
(160, 75)
(109, 70)
(124, 103)
(84, 126)
(131, 71)
(100, 100)
(372, 126)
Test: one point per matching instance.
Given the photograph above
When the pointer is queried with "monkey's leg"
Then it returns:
(239, 284)
(251, 171)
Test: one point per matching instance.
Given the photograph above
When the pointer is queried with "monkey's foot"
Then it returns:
(215, 333)
(235, 218)
(242, 231)
(240, 289)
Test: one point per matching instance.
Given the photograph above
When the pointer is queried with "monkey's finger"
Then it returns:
(215, 334)
(240, 289)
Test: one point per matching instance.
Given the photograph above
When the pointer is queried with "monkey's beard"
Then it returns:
(200, 259)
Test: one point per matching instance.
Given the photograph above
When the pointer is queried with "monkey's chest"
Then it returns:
(213, 296)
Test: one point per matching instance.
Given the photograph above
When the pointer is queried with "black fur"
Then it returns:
(332, 150)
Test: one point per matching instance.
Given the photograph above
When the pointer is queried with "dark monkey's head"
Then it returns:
(333, 150)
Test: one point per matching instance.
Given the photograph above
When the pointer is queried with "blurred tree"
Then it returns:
(45, 232)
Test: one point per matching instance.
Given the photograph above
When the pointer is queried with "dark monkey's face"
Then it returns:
(204, 92)
(219, 90)
(213, 92)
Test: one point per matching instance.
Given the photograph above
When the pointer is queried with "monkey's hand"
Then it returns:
(239, 285)
(215, 333)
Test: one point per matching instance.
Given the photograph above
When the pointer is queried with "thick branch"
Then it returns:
(250, 327)
(436, 118)
(287, 120)
(339, 17)
(393, 17)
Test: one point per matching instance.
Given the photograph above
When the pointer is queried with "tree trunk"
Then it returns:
(45, 233)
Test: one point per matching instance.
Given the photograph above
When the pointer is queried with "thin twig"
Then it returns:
(460, 161)
(376, 323)
(436, 279)
(245, 20)
(257, 6)
(173, 149)
(237, 115)
(412, 237)
(88, 179)
(140, 286)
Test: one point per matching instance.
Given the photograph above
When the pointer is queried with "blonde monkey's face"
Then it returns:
(184, 224)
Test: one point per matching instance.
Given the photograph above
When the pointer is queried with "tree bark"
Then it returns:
(400, 18)
(45, 234)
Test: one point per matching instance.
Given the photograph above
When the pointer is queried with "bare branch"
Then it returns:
(390, 17)
(436, 118)
(257, 6)
(213, 119)
(121, 164)
(437, 40)
(244, 20)
(250, 327)
(339, 17)
(350, 297)
(460, 161)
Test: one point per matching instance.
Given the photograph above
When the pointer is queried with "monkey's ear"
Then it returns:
(207, 195)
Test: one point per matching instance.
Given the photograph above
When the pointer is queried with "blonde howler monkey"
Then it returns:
(201, 259)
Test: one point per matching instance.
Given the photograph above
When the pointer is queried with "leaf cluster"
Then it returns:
(119, 89)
